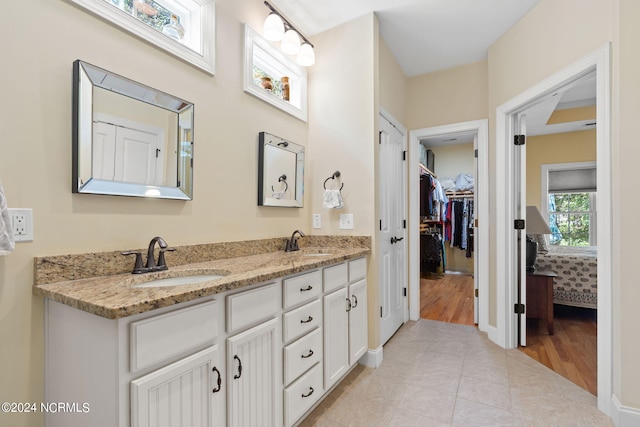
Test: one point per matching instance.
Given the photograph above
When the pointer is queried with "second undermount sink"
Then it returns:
(177, 281)
(315, 252)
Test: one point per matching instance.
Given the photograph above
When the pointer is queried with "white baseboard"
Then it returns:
(494, 336)
(372, 358)
(624, 416)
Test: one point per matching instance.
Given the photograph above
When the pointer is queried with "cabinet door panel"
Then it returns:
(251, 358)
(358, 336)
(336, 336)
(179, 394)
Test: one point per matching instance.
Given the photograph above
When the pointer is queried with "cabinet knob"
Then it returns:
(348, 304)
(355, 301)
(219, 381)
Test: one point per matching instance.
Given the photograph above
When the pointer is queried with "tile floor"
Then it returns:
(443, 374)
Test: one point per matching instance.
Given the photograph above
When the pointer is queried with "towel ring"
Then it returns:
(335, 175)
(282, 178)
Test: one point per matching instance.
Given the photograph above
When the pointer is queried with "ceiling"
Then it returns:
(433, 35)
(424, 35)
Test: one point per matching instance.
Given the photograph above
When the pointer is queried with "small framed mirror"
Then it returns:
(280, 172)
(129, 139)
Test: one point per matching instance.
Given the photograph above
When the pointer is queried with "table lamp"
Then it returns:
(535, 224)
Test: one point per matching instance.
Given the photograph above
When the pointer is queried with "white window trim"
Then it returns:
(203, 58)
(544, 192)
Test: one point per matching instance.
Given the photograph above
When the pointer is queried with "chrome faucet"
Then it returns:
(292, 245)
(151, 264)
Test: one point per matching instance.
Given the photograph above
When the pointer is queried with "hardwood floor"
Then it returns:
(447, 298)
(571, 351)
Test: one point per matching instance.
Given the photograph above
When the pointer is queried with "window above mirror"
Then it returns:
(184, 28)
(274, 77)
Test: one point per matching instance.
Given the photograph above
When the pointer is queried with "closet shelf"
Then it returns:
(459, 194)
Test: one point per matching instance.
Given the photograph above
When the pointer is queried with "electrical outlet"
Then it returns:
(22, 224)
(346, 221)
(317, 220)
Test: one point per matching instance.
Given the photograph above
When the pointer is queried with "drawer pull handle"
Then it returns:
(219, 381)
(308, 320)
(308, 288)
(355, 301)
(308, 394)
(308, 355)
(239, 374)
(349, 306)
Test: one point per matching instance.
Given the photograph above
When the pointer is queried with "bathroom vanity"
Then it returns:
(256, 346)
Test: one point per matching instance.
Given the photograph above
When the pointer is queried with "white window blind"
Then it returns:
(572, 180)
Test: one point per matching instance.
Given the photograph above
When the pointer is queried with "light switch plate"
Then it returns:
(317, 220)
(22, 224)
(346, 221)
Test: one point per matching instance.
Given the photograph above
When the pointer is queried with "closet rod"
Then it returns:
(426, 169)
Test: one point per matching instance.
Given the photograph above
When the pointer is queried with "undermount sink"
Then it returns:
(177, 281)
(315, 252)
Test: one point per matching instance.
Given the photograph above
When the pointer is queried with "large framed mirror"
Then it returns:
(129, 139)
(280, 172)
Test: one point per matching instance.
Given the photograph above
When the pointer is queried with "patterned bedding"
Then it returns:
(576, 267)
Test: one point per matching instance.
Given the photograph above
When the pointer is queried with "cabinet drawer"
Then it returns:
(357, 269)
(302, 288)
(250, 307)
(158, 338)
(301, 320)
(302, 394)
(335, 277)
(302, 354)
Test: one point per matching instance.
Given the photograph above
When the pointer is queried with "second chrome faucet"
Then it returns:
(151, 264)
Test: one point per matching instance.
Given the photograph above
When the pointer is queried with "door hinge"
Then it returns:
(475, 223)
(518, 224)
(404, 155)
(476, 293)
(475, 153)
(519, 139)
(404, 292)
(380, 137)
(380, 311)
(404, 223)
(519, 308)
(380, 225)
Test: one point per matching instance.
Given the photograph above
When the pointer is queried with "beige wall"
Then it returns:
(343, 134)
(450, 96)
(392, 85)
(452, 160)
(558, 148)
(40, 45)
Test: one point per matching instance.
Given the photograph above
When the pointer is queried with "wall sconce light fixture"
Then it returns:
(278, 28)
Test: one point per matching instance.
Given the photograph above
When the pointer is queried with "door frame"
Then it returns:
(481, 270)
(384, 114)
(505, 332)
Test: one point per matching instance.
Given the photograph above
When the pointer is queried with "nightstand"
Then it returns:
(540, 296)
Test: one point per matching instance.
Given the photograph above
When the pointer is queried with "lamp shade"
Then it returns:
(535, 224)
(306, 56)
(290, 43)
(273, 28)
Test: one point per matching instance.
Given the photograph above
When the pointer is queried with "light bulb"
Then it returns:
(273, 28)
(290, 43)
(306, 56)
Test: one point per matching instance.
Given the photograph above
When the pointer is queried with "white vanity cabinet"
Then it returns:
(345, 318)
(253, 363)
(262, 355)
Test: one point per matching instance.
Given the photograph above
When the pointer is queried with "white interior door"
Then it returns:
(476, 260)
(104, 151)
(392, 240)
(137, 154)
(520, 209)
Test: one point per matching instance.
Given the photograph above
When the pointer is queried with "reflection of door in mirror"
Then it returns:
(280, 162)
(141, 152)
(127, 155)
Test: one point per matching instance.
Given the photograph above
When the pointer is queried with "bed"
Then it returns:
(576, 267)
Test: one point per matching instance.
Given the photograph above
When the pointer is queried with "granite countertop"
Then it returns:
(113, 296)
